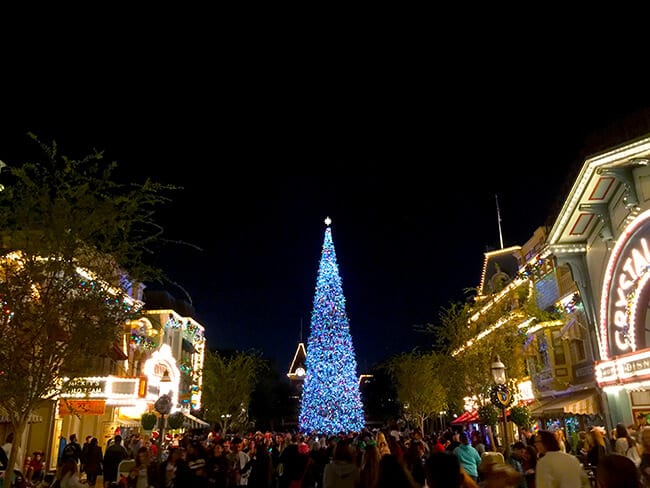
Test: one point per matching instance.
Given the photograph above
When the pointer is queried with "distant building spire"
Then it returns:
(499, 220)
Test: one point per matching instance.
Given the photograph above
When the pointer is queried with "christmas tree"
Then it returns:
(331, 402)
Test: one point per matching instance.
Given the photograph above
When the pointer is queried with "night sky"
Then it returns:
(407, 170)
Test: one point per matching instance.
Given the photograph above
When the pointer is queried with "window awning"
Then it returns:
(466, 418)
(584, 402)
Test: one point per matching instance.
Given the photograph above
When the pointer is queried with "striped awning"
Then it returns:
(579, 403)
(194, 422)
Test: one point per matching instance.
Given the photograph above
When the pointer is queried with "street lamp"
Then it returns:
(501, 394)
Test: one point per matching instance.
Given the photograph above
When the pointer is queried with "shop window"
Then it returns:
(543, 351)
(578, 350)
(558, 348)
(640, 397)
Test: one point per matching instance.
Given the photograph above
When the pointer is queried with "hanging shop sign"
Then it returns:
(82, 407)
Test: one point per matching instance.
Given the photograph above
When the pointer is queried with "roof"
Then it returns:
(502, 264)
(299, 361)
(466, 418)
(603, 178)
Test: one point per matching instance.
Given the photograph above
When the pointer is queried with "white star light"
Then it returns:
(328, 221)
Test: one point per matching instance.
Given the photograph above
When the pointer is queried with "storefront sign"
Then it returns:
(625, 278)
(633, 367)
(84, 387)
(82, 407)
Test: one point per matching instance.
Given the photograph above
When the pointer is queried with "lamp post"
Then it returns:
(502, 394)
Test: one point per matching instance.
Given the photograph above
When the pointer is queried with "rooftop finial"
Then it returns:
(328, 221)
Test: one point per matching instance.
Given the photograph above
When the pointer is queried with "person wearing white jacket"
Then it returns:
(557, 469)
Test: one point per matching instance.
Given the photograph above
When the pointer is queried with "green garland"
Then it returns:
(488, 415)
(148, 420)
(175, 420)
(520, 415)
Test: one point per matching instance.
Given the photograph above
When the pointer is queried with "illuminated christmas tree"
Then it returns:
(331, 402)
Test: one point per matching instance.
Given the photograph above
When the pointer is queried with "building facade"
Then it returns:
(161, 353)
(602, 234)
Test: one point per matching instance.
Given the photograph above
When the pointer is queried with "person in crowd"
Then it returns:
(84, 452)
(342, 472)
(468, 456)
(414, 460)
(515, 459)
(175, 473)
(382, 443)
(527, 436)
(502, 475)
(580, 444)
(69, 475)
(7, 446)
(370, 465)
(617, 471)
(443, 470)
(529, 463)
(557, 469)
(395, 446)
(451, 440)
(46, 482)
(417, 437)
(625, 444)
(438, 446)
(393, 473)
(293, 463)
(197, 464)
(240, 462)
(289, 460)
(477, 442)
(114, 455)
(262, 467)
(72, 450)
(318, 453)
(561, 439)
(4, 459)
(36, 468)
(594, 447)
(145, 473)
(644, 466)
(93, 462)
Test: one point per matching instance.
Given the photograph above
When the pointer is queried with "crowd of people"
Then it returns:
(368, 459)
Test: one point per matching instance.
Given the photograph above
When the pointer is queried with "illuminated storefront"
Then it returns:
(603, 235)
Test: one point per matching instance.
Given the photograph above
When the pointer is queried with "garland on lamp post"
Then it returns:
(500, 396)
